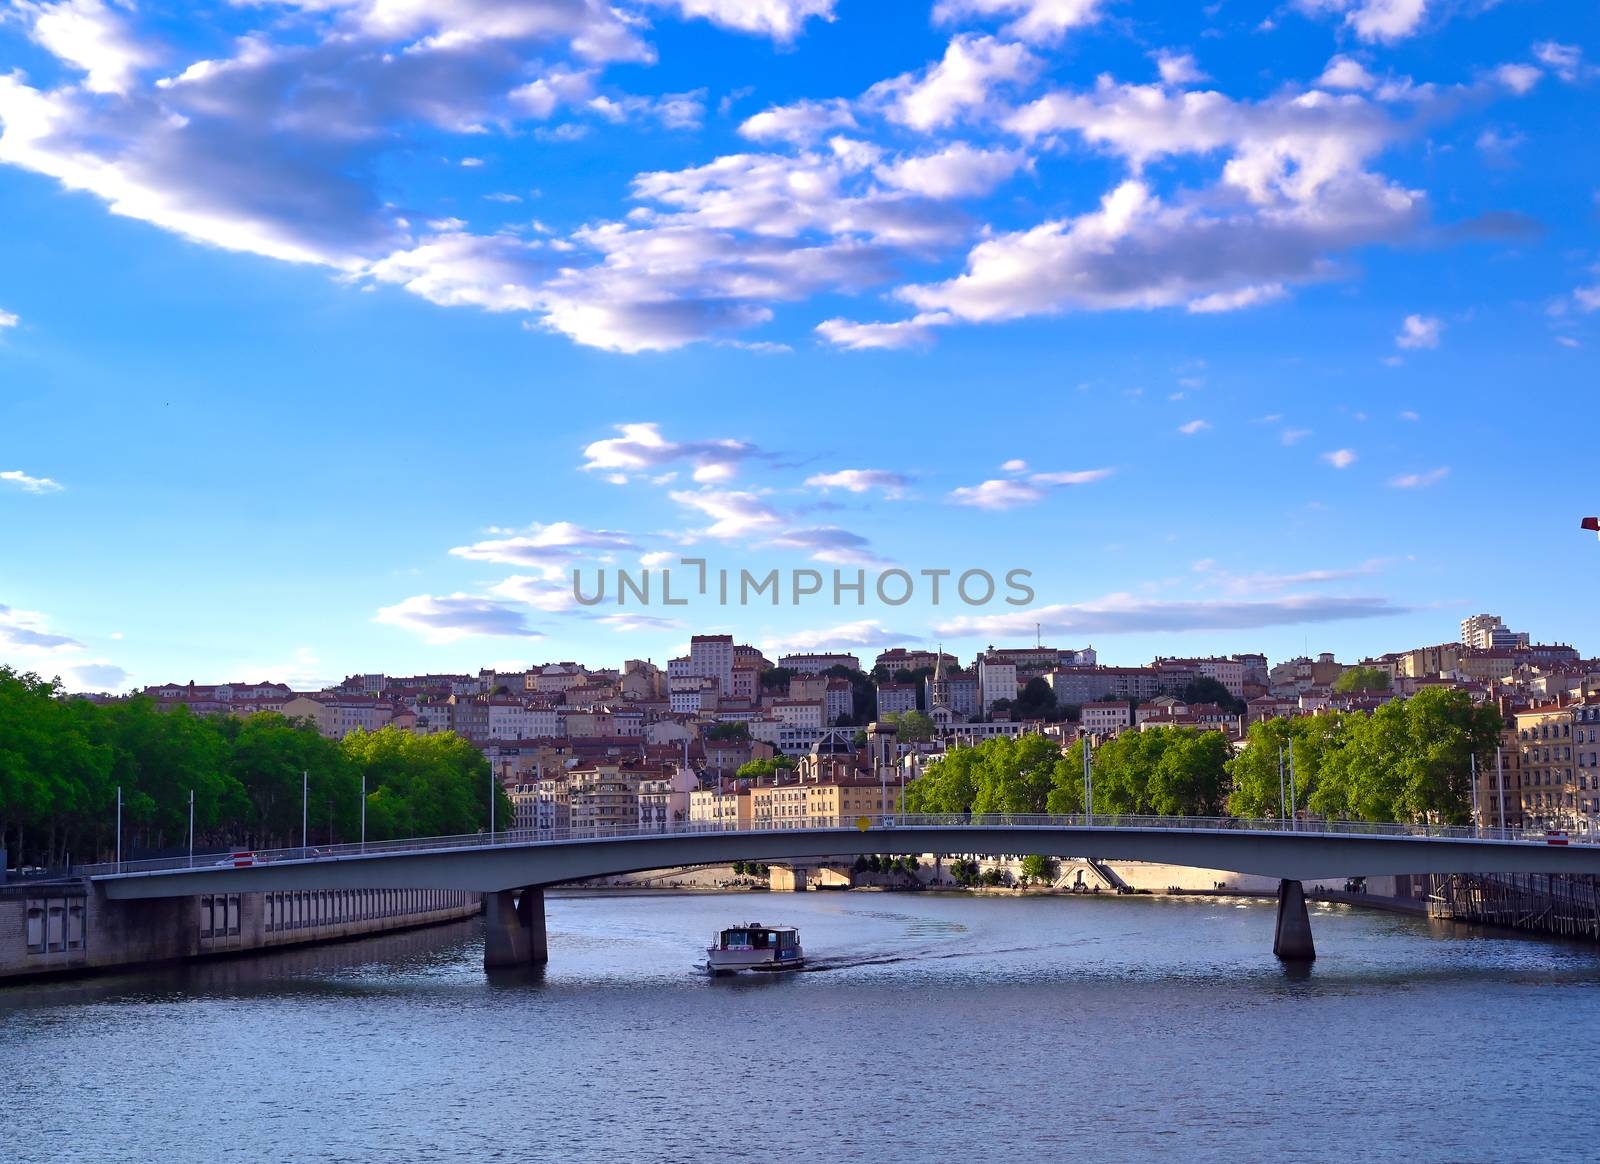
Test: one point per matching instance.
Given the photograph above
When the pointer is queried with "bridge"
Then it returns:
(513, 869)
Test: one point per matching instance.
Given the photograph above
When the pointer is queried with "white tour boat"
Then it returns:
(755, 947)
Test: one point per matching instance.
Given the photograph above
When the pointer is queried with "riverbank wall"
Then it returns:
(70, 927)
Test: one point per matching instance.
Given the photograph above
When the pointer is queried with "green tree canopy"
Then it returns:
(1362, 679)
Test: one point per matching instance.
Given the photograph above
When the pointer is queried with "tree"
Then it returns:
(914, 727)
(1036, 867)
(737, 730)
(1037, 700)
(776, 678)
(759, 770)
(1362, 679)
(1208, 690)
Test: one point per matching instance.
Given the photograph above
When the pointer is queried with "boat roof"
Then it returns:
(759, 926)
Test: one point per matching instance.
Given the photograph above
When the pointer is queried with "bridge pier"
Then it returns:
(1292, 939)
(513, 929)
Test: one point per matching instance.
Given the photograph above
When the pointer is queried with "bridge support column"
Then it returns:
(1292, 939)
(513, 929)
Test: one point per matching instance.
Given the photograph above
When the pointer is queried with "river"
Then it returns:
(930, 1028)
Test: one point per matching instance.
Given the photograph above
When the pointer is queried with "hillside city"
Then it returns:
(726, 734)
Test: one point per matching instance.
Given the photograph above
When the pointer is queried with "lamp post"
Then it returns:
(363, 812)
(1476, 828)
(1294, 822)
(119, 827)
(305, 818)
(1500, 784)
(191, 828)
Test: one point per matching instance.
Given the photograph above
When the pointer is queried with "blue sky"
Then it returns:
(335, 333)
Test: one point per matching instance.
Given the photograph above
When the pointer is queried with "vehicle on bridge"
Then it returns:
(755, 947)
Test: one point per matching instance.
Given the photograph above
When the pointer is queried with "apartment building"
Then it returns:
(711, 657)
(1560, 766)
(896, 698)
(809, 663)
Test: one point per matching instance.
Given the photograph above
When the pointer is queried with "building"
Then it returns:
(997, 680)
(896, 698)
(664, 798)
(724, 805)
(711, 657)
(1106, 718)
(604, 798)
(336, 716)
(1560, 766)
(898, 659)
(1485, 632)
(810, 664)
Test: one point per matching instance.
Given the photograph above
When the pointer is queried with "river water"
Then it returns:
(930, 1028)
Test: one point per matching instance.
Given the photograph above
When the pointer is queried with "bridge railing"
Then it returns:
(820, 824)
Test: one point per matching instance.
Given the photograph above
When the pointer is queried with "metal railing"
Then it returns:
(524, 838)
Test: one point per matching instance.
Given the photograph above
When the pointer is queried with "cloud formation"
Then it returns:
(20, 480)
(1127, 614)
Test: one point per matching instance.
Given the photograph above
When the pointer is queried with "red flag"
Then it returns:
(1592, 523)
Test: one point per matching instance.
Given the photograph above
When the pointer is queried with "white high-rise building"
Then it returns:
(711, 657)
(1486, 632)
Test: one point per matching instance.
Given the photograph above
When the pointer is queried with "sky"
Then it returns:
(338, 335)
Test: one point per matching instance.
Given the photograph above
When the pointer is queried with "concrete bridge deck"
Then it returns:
(514, 868)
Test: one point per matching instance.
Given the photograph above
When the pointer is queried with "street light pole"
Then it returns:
(191, 828)
(1294, 822)
(1283, 791)
(491, 804)
(1088, 783)
(119, 826)
(305, 809)
(1500, 784)
(1476, 827)
(363, 812)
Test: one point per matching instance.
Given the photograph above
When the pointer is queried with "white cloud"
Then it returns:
(1373, 20)
(1013, 492)
(1291, 436)
(801, 123)
(1015, 465)
(957, 171)
(890, 483)
(1039, 21)
(8, 319)
(1341, 458)
(550, 591)
(639, 623)
(1193, 427)
(1419, 331)
(733, 513)
(27, 640)
(1587, 298)
(960, 85)
(1178, 68)
(93, 37)
(782, 20)
(865, 633)
(1252, 296)
(672, 110)
(892, 336)
(1421, 480)
(827, 543)
(22, 481)
(642, 449)
(1519, 78)
(1128, 614)
(1564, 60)
(448, 618)
(547, 547)
(1263, 582)
(1345, 72)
